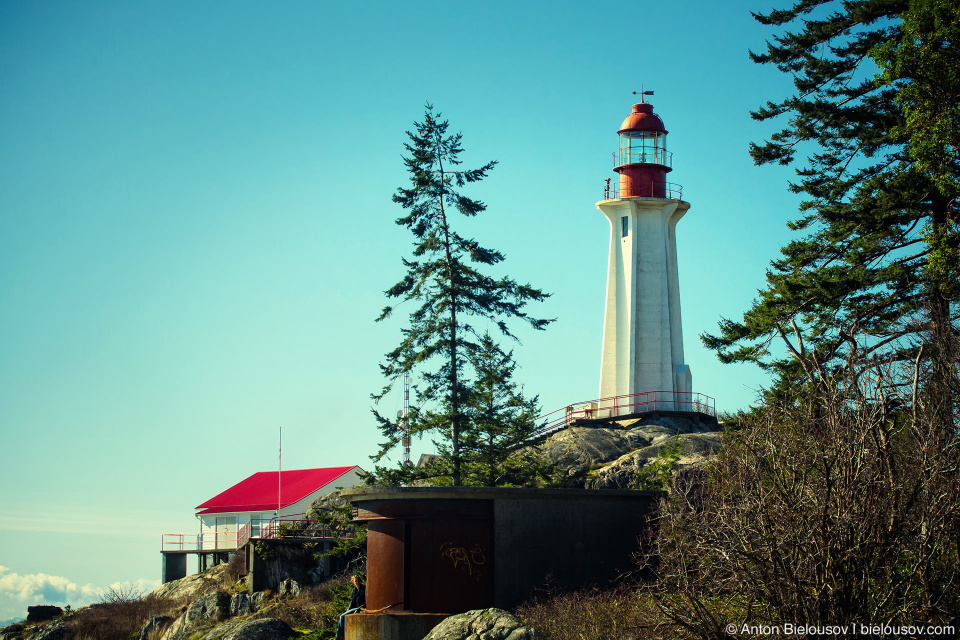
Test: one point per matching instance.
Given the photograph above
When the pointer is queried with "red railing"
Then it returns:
(293, 526)
(656, 190)
(251, 529)
(624, 405)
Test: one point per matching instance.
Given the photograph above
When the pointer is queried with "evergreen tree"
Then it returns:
(443, 278)
(875, 275)
(493, 447)
(501, 420)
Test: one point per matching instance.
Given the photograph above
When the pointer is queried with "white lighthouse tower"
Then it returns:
(642, 365)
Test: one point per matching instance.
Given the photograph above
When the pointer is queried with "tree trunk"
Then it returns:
(454, 373)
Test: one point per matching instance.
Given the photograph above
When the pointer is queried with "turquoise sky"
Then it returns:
(196, 230)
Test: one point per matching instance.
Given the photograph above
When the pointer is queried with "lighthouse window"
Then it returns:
(624, 226)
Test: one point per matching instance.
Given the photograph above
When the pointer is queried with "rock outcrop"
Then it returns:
(622, 473)
(188, 588)
(242, 604)
(242, 629)
(578, 447)
(55, 631)
(11, 631)
(210, 607)
(611, 457)
(482, 624)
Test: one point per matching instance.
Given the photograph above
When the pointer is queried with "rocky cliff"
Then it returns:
(613, 456)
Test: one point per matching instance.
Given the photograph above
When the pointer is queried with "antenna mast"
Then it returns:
(406, 408)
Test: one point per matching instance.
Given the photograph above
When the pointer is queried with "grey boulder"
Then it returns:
(482, 624)
(288, 587)
(267, 629)
(244, 603)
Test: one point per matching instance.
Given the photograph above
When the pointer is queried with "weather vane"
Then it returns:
(643, 93)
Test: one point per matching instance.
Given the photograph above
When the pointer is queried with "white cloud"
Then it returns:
(40, 587)
(17, 591)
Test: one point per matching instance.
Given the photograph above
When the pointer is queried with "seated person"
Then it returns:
(358, 600)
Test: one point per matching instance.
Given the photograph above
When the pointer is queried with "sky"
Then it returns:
(196, 231)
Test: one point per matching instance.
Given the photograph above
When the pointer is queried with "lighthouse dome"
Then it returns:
(643, 119)
(642, 159)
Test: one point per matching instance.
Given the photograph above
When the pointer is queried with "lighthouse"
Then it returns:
(641, 365)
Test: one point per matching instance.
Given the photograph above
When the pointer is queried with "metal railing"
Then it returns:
(249, 530)
(297, 527)
(219, 541)
(654, 190)
(643, 155)
(624, 405)
(294, 526)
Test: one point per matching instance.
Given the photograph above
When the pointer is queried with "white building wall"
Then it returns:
(643, 336)
(222, 535)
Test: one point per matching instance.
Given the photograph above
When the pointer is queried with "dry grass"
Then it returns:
(236, 569)
(596, 615)
(116, 620)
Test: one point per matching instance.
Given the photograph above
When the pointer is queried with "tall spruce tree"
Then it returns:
(874, 278)
(452, 293)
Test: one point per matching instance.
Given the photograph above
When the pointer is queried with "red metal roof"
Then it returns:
(259, 491)
(642, 119)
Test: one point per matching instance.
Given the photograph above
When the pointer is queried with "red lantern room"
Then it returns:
(643, 160)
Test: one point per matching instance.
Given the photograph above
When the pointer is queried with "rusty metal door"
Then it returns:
(385, 551)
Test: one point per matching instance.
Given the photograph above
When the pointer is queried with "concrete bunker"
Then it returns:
(446, 550)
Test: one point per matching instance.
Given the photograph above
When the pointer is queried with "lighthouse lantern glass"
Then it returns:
(643, 147)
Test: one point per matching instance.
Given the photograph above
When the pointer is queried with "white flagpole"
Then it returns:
(279, 473)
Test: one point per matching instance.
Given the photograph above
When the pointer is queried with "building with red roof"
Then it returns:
(255, 507)
(253, 502)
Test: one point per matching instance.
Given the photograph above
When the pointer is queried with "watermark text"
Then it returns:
(791, 629)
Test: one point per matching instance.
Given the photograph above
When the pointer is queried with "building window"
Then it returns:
(624, 226)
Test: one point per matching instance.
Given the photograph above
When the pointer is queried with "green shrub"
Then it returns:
(314, 608)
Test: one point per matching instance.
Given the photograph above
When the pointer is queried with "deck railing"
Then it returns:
(294, 526)
(623, 405)
(218, 541)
